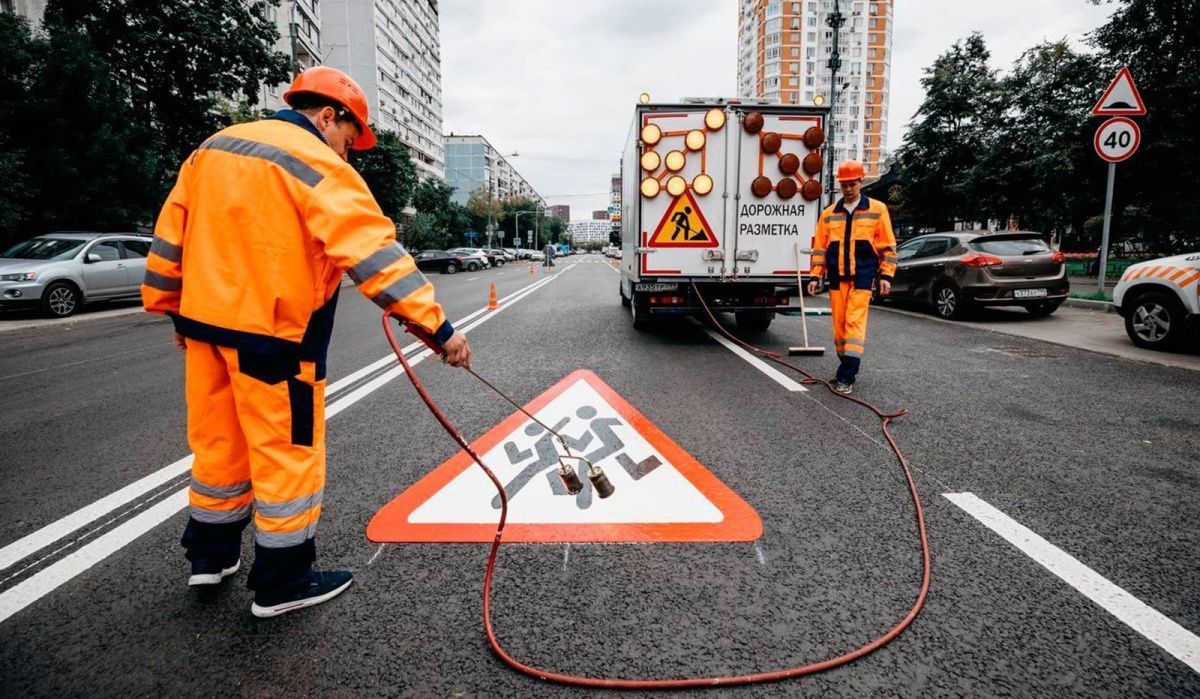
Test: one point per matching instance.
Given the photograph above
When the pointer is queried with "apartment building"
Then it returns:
(472, 162)
(589, 231)
(299, 25)
(392, 48)
(562, 211)
(784, 47)
(31, 10)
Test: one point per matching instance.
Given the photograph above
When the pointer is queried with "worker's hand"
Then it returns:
(180, 342)
(458, 352)
(814, 288)
(885, 287)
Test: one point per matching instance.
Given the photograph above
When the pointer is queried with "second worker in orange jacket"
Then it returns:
(248, 256)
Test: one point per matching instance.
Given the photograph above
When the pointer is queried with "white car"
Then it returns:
(1160, 301)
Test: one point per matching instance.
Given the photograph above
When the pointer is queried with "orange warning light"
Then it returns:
(789, 164)
(651, 134)
(695, 139)
(714, 119)
(753, 122)
(811, 190)
(813, 162)
(703, 184)
(760, 186)
(814, 137)
(650, 160)
(786, 189)
(676, 186)
(675, 161)
(650, 187)
(771, 142)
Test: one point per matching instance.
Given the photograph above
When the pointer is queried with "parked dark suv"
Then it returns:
(957, 271)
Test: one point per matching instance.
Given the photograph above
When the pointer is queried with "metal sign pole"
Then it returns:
(1112, 173)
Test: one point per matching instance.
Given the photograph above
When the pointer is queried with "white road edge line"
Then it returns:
(1138, 615)
(47, 535)
(53, 576)
(755, 362)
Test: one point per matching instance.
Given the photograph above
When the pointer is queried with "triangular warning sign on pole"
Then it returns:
(1121, 97)
(683, 226)
(662, 493)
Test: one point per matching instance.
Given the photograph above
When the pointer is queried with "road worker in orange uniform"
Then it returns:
(854, 244)
(248, 256)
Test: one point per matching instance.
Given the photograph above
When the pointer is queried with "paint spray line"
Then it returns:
(52, 577)
(47, 535)
(1139, 616)
(767, 370)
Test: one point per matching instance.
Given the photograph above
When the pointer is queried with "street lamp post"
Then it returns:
(835, 21)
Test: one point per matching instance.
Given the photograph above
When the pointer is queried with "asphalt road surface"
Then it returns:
(1060, 489)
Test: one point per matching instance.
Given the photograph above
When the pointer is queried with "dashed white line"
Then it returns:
(1141, 617)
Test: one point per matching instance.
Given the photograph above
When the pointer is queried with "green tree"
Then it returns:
(178, 60)
(425, 233)
(962, 106)
(1160, 42)
(389, 172)
(448, 220)
(18, 62)
(484, 209)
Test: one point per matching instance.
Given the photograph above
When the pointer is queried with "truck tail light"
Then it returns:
(1058, 258)
(979, 260)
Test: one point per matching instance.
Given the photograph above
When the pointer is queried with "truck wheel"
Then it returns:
(753, 321)
(60, 300)
(640, 312)
(1154, 321)
(624, 299)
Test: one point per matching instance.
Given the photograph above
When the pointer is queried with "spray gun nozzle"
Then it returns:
(569, 478)
(600, 482)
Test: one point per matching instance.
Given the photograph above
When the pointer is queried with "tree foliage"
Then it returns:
(389, 172)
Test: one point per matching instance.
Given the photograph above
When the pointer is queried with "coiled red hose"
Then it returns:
(681, 683)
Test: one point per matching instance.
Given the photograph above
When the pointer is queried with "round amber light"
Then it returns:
(703, 184)
(676, 186)
(650, 188)
(675, 161)
(695, 139)
(651, 134)
(650, 160)
(714, 119)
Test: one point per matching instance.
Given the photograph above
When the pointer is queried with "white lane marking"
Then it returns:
(45, 581)
(566, 555)
(471, 279)
(755, 362)
(50, 578)
(758, 551)
(60, 528)
(136, 350)
(1138, 615)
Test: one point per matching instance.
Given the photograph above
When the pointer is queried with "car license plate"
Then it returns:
(655, 287)
(1028, 293)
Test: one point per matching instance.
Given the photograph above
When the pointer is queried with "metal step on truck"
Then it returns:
(716, 194)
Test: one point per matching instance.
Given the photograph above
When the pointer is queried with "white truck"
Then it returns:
(717, 193)
(1160, 301)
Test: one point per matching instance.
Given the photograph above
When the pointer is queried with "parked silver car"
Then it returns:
(62, 271)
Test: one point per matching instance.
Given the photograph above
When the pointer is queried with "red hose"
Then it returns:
(682, 683)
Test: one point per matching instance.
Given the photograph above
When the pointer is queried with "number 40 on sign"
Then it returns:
(1117, 139)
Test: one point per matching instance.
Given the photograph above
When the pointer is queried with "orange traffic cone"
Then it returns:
(532, 270)
(493, 302)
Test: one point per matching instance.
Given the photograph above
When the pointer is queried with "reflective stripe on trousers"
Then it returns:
(259, 443)
(849, 307)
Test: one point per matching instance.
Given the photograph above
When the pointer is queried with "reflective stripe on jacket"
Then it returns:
(251, 245)
(854, 246)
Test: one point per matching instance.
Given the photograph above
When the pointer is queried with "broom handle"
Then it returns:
(800, 282)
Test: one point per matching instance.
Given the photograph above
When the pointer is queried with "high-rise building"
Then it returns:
(392, 49)
(299, 25)
(562, 211)
(784, 47)
(589, 231)
(472, 162)
(614, 202)
(600, 215)
(31, 10)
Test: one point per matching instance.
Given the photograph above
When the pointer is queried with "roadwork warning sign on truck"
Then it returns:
(716, 196)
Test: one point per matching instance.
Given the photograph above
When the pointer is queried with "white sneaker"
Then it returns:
(206, 573)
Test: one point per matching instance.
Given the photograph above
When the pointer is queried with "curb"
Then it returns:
(1104, 306)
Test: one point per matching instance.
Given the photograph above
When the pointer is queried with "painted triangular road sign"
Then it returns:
(662, 493)
(683, 226)
(1121, 97)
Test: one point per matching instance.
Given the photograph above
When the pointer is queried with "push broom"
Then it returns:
(806, 350)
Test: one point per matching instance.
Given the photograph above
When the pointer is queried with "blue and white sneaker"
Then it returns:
(322, 587)
(211, 572)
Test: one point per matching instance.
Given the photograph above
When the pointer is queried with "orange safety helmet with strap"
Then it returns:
(341, 88)
(849, 170)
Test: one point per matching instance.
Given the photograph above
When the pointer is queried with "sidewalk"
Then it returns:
(1095, 331)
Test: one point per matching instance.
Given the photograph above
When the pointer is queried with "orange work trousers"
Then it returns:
(256, 424)
(849, 307)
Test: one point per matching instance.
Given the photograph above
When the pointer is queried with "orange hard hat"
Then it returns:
(341, 88)
(850, 170)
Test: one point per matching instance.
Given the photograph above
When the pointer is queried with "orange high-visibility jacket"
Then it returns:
(251, 245)
(855, 245)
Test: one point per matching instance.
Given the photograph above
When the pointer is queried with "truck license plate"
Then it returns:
(1029, 293)
(655, 287)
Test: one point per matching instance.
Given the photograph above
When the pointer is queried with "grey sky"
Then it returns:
(557, 80)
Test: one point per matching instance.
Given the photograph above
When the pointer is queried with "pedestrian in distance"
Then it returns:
(854, 245)
(248, 256)
(548, 251)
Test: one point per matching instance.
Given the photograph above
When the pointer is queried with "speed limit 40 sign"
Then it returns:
(1117, 139)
